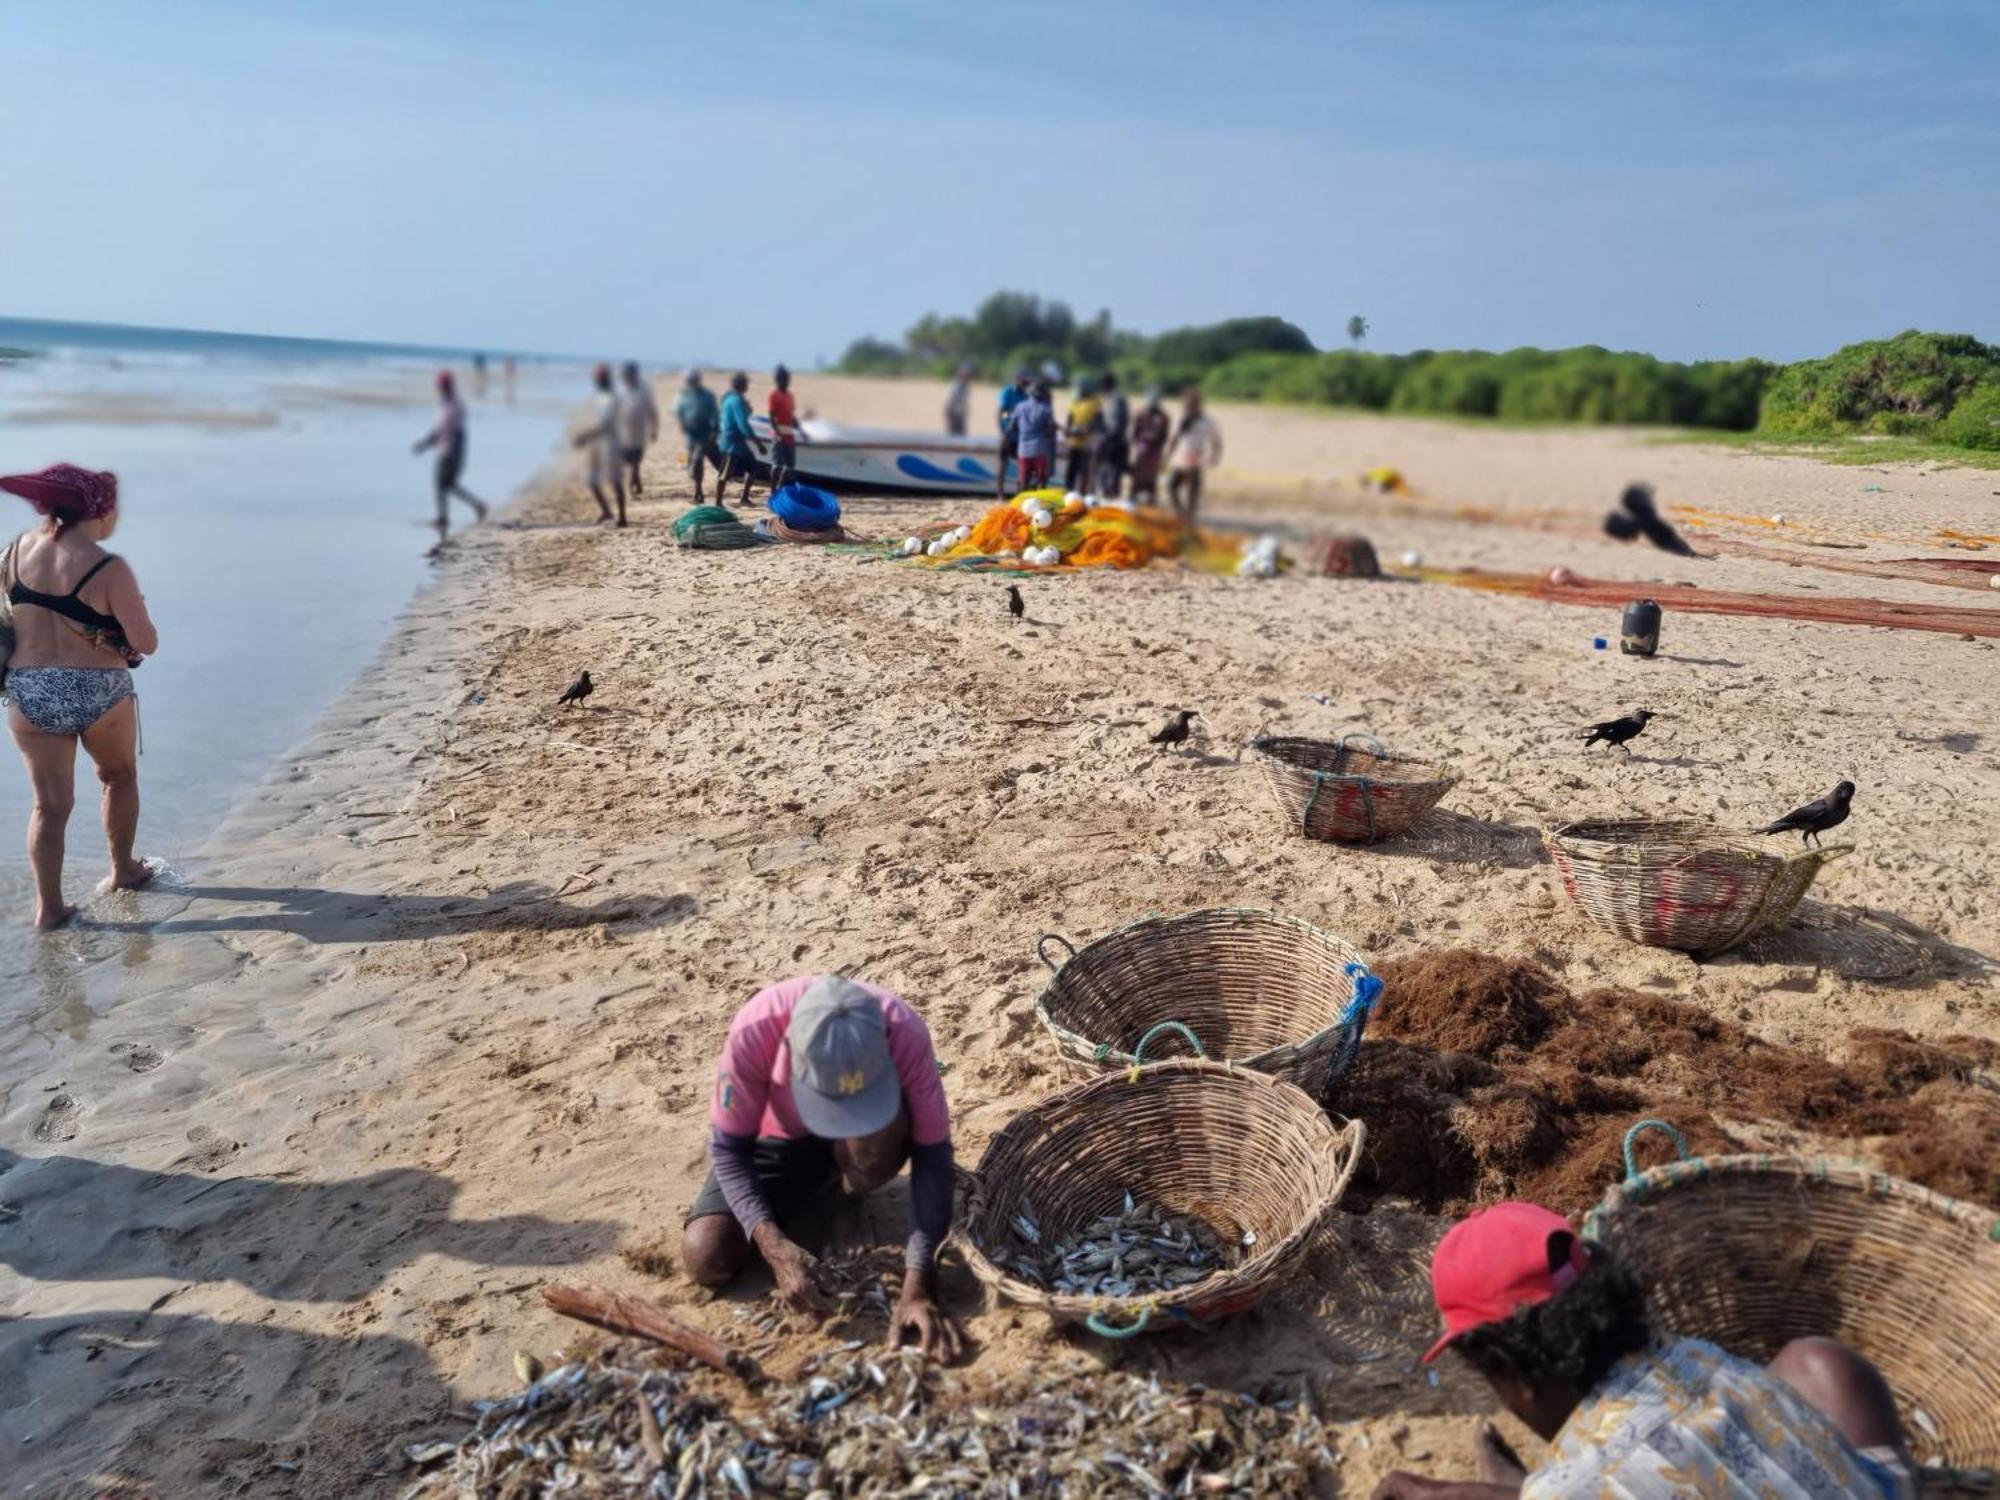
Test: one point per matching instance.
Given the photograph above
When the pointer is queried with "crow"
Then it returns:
(577, 691)
(1617, 731)
(1175, 731)
(1639, 515)
(1015, 605)
(1822, 813)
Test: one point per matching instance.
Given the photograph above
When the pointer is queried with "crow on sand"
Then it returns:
(1015, 605)
(1175, 731)
(577, 691)
(1638, 515)
(1618, 731)
(1818, 815)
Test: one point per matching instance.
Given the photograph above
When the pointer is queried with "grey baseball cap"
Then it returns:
(843, 1077)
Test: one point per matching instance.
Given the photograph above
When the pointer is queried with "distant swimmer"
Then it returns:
(601, 437)
(1618, 731)
(638, 425)
(1818, 815)
(448, 437)
(577, 691)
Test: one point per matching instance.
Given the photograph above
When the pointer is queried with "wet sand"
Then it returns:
(437, 1025)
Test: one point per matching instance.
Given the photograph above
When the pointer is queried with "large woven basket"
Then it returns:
(1232, 984)
(1682, 885)
(1751, 1252)
(1236, 1148)
(1350, 790)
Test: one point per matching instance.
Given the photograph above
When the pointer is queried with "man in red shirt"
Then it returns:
(783, 410)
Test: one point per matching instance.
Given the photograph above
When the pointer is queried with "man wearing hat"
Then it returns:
(822, 1081)
(1559, 1330)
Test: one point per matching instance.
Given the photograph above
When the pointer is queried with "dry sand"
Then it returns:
(438, 1027)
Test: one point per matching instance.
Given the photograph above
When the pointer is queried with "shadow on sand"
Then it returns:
(1860, 942)
(66, 1218)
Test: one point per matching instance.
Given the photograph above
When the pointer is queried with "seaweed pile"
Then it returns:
(864, 1422)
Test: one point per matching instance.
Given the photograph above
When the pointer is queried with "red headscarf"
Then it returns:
(66, 492)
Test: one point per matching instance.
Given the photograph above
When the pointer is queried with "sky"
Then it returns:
(742, 183)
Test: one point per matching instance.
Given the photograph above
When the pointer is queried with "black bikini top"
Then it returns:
(69, 606)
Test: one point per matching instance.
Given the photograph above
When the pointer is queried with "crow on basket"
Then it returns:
(1618, 731)
(577, 691)
(1175, 731)
(1818, 815)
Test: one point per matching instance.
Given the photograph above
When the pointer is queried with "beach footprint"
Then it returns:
(138, 1056)
(59, 1120)
(211, 1149)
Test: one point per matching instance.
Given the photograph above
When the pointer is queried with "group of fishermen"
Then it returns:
(1103, 442)
(828, 1085)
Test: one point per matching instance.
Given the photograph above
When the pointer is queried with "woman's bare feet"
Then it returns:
(1498, 1463)
(49, 921)
(132, 875)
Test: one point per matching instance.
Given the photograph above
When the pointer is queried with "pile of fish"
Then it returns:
(864, 1423)
(1139, 1252)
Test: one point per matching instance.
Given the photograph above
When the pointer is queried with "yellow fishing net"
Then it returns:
(1043, 529)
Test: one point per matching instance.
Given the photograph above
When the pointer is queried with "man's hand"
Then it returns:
(937, 1332)
(794, 1269)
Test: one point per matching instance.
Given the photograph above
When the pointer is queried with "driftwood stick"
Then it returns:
(649, 1433)
(642, 1319)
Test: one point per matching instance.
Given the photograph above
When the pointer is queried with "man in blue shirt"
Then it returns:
(1034, 428)
(696, 413)
(738, 456)
(1011, 396)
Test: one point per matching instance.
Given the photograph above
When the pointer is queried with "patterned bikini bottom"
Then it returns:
(67, 700)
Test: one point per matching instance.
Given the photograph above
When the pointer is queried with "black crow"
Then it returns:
(1617, 731)
(1175, 732)
(577, 691)
(1015, 605)
(1822, 813)
(1638, 514)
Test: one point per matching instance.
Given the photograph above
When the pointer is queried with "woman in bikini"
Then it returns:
(80, 626)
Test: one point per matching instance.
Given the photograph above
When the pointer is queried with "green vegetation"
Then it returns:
(1940, 391)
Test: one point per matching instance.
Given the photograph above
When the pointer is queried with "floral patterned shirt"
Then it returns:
(1685, 1418)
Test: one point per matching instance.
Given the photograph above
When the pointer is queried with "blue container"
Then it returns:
(806, 508)
(1639, 633)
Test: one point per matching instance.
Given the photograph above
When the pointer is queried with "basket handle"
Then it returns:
(1351, 1140)
(1369, 742)
(1096, 1324)
(1632, 1138)
(1042, 947)
(1139, 1052)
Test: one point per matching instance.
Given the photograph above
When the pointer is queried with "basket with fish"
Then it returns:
(1350, 790)
(1163, 1196)
(1751, 1252)
(1232, 984)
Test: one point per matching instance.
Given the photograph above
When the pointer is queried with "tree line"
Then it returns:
(1944, 387)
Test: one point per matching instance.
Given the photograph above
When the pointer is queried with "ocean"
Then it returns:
(278, 523)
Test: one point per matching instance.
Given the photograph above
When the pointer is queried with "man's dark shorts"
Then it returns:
(449, 467)
(632, 455)
(784, 455)
(791, 1173)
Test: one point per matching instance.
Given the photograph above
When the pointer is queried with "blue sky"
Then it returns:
(746, 182)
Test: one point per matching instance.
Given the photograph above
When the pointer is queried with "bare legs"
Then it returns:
(112, 744)
(714, 1247)
(1846, 1387)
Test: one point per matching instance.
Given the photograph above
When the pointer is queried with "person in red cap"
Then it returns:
(1559, 1329)
(448, 437)
(79, 627)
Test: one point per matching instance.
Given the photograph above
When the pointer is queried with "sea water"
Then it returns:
(278, 524)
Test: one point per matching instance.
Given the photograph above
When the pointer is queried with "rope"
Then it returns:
(1354, 1020)
(1139, 1052)
(1632, 1137)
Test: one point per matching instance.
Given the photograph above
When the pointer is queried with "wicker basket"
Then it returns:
(1350, 790)
(1750, 1252)
(1242, 986)
(1238, 1149)
(1681, 885)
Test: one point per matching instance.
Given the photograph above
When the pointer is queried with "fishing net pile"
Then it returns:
(868, 1423)
(1048, 529)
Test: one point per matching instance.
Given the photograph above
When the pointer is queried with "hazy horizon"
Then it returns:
(1702, 182)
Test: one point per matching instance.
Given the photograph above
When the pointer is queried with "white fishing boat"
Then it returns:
(881, 459)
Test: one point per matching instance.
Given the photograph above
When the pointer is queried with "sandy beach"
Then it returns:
(438, 1024)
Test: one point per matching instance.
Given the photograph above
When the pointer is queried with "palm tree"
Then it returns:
(1357, 329)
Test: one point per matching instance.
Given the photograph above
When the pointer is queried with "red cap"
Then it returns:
(444, 380)
(1496, 1262)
